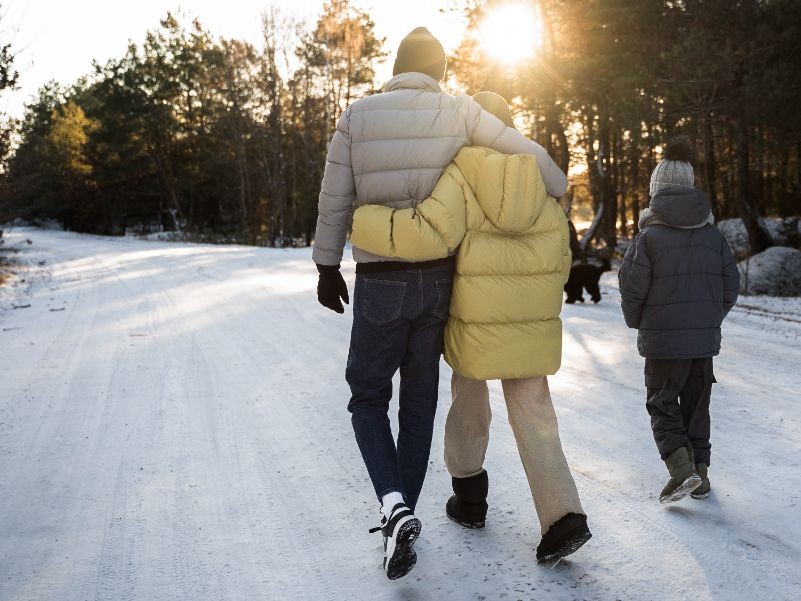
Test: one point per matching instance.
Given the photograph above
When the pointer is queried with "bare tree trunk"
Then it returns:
(785, 198)
(561, 154)
(710, 165)
(634, 160)
(758, 237)
(599, 174)
(619, 187)
(609, 200)
(589, 151)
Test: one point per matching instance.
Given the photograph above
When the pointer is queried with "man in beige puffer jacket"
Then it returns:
(390, 149)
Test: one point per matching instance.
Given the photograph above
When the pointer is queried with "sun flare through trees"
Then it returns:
(511, 33)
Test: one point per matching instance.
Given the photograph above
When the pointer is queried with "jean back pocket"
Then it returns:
(383, 300)
(443, 304)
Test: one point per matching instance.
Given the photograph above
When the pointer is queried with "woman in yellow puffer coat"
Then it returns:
(513, 259)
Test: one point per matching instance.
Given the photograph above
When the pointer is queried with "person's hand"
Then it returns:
(331, 288)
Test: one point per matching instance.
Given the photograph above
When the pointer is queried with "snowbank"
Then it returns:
(170, 236)
(776, 272)
(785, 308)
(785, 232)
(20, 273)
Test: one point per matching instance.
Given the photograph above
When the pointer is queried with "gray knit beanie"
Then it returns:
(676, 169)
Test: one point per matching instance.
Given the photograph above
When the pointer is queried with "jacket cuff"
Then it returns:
(326, 256)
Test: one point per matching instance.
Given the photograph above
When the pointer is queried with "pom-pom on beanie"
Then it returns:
(677, 167)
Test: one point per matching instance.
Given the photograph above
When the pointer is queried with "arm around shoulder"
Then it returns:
(431, 230)
(487, 130)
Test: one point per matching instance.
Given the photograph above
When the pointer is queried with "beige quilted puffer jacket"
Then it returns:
(391, 148)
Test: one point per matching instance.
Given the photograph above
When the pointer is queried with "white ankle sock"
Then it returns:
(388, 502)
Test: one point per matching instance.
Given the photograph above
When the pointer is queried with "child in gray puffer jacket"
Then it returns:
(678, 282)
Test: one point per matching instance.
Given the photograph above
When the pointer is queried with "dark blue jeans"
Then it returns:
(398, 323)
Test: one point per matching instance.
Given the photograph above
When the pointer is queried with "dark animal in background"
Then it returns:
(585, 276)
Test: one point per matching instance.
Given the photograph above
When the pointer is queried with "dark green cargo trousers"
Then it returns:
(678, 403)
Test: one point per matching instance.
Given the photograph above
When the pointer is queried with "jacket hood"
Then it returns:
(509, 188)
(681, 206)
(413, 81)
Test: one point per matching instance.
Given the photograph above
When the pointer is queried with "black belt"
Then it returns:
(384, 266)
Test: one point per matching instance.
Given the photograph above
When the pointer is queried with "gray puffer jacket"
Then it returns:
(391, 148)
(678, 279)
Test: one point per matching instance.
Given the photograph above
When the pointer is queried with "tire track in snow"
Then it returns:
(114, 577)
(117, 570)
(285, 506)
(274, 526)
(43, 394)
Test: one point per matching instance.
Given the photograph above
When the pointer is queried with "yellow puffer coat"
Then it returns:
(512, 263)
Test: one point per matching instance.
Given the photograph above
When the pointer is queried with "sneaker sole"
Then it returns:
(686, 487)
(404, 557)
(468, 525)
(700, 495)
(572, 543)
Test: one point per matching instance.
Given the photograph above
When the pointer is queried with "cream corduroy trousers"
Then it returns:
(533, 421)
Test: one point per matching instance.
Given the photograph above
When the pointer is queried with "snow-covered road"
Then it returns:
(173, 425)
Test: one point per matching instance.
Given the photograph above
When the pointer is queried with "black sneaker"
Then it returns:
(567, 535)
(400, 533)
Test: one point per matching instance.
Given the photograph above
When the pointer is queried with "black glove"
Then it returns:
(331, 287)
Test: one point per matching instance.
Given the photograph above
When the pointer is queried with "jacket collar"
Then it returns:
(413, 81)
(649, 217)
(683, 207)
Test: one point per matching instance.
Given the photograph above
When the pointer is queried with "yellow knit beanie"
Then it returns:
(495, 104)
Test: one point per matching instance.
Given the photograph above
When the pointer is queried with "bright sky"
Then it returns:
(58, 39)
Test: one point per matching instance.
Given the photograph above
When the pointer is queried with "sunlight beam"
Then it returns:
(511, 32)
